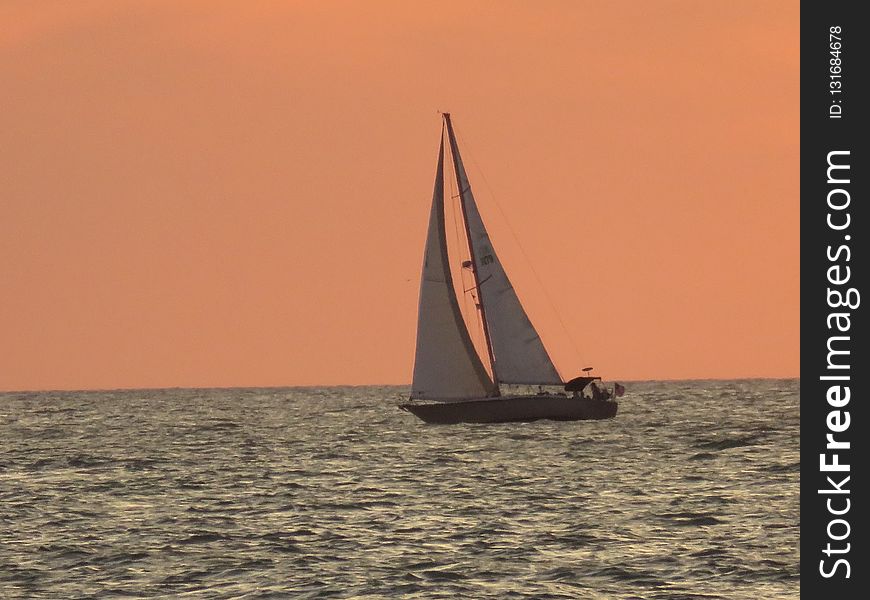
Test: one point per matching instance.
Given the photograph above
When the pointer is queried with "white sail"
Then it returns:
(446, 365)
(518, 352)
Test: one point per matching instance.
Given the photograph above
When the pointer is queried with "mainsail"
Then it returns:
(446, 365)
(518, 353)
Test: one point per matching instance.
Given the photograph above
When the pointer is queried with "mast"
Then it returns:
(454, 151)
(446, 364)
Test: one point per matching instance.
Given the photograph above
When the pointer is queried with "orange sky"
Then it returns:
(237, 193)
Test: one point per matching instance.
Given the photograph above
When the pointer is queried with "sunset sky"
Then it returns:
(237, 193)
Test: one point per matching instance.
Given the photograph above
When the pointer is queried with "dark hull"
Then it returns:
(514, 408)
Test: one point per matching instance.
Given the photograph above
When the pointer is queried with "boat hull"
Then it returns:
(506, 409)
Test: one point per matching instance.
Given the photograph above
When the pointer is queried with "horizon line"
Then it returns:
(342, 385)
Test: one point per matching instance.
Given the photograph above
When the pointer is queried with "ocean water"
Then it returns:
(691, 492)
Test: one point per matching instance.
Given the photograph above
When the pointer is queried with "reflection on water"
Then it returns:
(692, 491)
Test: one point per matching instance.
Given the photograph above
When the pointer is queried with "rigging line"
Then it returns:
(474, 315)
(522, 250)
(454, 210)
(482, 281)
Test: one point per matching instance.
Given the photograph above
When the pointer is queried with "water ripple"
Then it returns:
(691, 492)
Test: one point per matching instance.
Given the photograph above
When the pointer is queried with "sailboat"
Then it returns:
(450, 382)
